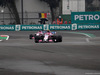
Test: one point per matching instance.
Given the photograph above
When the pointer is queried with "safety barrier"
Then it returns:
(85, 26)
(7, 27)
(50, 27)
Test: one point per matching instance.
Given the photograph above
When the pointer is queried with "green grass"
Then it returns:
(3, 37)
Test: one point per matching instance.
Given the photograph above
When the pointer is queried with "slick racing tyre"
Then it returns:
(30, 36)
(37, 39)
(59, 38)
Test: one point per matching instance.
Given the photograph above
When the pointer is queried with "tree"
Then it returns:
(89, 1)
(89, 5)
(92, 5)
(54, 5)
(10, 4)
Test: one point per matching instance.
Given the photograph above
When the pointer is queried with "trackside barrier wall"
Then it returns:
(7, 27)
(85, 26)
(88, 27)
(50, 27)
(31, 27)
(60, 27)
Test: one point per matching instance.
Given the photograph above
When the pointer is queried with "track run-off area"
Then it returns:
(77, 54)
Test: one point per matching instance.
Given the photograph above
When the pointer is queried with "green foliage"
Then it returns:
(5, 2)
(10, 4)
(92, 5)
(89, 1)
(52, 3)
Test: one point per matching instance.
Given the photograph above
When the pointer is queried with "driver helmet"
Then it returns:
(48, 31)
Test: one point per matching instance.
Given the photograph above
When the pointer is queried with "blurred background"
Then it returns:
(32, 11)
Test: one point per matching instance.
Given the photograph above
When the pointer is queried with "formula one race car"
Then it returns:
(45, 36)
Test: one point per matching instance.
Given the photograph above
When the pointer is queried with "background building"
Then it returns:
(69, 6)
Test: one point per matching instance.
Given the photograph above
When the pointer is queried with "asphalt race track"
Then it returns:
(77, 54)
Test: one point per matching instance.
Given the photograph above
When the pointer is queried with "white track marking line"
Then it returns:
(86, 34)
(1, 40)
(7, 37)
(87, 39)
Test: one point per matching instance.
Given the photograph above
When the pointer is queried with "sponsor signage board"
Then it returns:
(50, 27)
(85, 17)
(88, 27)
(7, 27)
(60, 27)
(31, 27)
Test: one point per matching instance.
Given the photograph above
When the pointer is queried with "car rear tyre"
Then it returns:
(30, 37)
(36, 41)
(59, 38)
